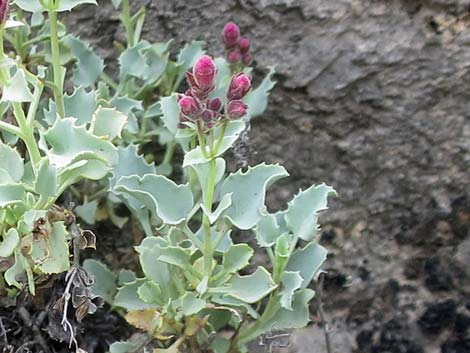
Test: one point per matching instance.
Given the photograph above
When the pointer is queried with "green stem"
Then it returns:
(109, 81)
(126, 20)
(208, 200)
(12, 129)
(221, 136)
(27, 134)
(58, 82)
(170, 151)
(202, 143)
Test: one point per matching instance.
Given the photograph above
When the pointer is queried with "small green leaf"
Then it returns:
(298, 317)
(54, 250)
(176, 256)
(291, 281)
(108, 122)
(46, 180)
(80, 105)
(267, 230)
(105, 280)
(128, 298)
(87, 211)
(302, 214)
(224, 203)
(189, 304)
(17, 269)
(170, 202)
(251, 288)
(11, 194)
(151, 293)
(237, 257)
(89, 66)
(17, 89)
(10, 241)
(202, 171)
(171, 113)
(248, 193)
(307, 262)
(11, 163)
(257, 99)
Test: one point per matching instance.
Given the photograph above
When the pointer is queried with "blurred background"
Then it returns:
(373, 97)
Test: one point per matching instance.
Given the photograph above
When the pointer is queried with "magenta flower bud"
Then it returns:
(239, 86)
(236, 109)
(215, 104)
(231, 34)
(189, 106)
(247, 59)
(3, 11)
(244, 45)
(204, 72)
(233, 56)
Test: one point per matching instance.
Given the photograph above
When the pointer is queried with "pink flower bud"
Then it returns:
(204, 72)
(239, 86)
(231, 34)
(215, 104)
(247, 59)
(189, 106)
(3, 11)
(209, 118)
(233, 56)
(236, 109)
(244, 45)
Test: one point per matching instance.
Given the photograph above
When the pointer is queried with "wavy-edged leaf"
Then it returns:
(189, 304)
(51, 254)
(170, 202)
(302, 215)
(9, 243)
(46, 180)
(237, 257)
(248, 193)
(291, 281)
(80, 105)
(251, 288)
(11, 164)
(202, 172)
(105, 284)
(224, 203)
(257, 99)
(11, 194)
(171, 113)
(128, 298)
(307, 261)
(88, 66)
(17, 89)
(108, 122)
(267, 230)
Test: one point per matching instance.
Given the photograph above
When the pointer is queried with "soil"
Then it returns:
(372, 98)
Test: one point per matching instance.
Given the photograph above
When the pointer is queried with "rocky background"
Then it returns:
(373, 97)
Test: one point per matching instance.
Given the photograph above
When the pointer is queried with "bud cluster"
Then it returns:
(196, 106)
(3, 11)
(237, 47)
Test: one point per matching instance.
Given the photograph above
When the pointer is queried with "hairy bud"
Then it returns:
(204, 72)
(247, 59)
(3, 11)
(189, 106)
(231, 34)
(233, 56)
(239, 86)
(244, 45)
(236, 109)
(215, 104)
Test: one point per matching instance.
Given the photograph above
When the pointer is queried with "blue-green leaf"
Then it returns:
(171, 113)
(108, 122)
(307, 262)
(170, 202)
(267, 230)
(105, 284)
(17, 90)
(237, 257)
(9, 243)
(89, 66)
(291, 281)
(248, 193)
(127, 296)
(11, 164)
(302, 214)
(80, 105)
(257, 99)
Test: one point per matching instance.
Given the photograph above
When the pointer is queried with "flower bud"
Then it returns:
(233, 56)
(215, 104)
(189, 106)
(209, 118)
(239, 86)
(247, 59)
(236, 109)
(244, 45)
(3, 11)
(231, 34)
(204, 71)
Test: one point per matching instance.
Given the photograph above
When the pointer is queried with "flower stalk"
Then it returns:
(56, 65)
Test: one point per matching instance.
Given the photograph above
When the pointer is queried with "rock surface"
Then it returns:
(373, 97)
